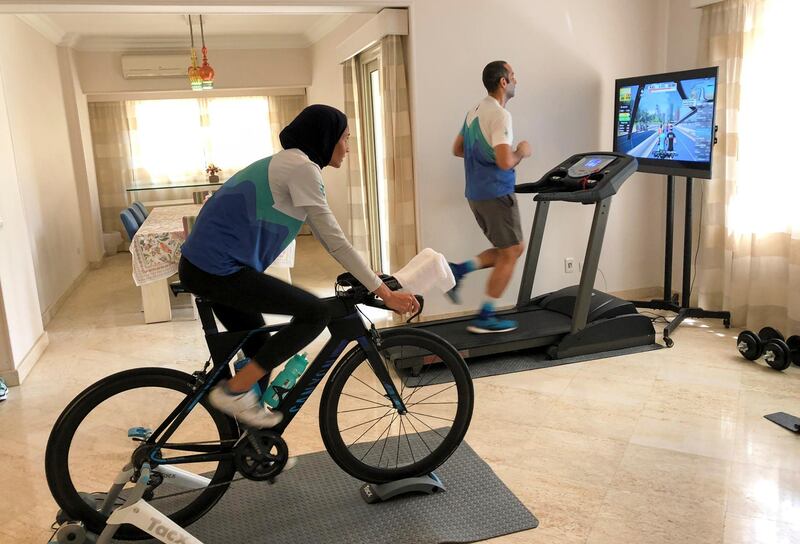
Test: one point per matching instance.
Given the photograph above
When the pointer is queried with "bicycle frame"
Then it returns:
(345, 326)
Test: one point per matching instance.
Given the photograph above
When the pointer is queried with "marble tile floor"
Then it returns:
(659, 447)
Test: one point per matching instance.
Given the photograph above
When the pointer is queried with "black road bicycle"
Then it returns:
(377, 423)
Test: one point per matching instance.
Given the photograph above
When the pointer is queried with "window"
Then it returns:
(382, 188)
(172, 141)
(375, 155)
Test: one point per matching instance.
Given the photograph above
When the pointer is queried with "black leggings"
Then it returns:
(247, 294)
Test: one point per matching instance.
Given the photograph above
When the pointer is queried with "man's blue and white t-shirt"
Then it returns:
(486, 126)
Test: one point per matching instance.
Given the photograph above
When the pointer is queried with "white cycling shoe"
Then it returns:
(246, 408)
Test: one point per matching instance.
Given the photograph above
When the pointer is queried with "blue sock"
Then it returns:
(462, 269)
(487, 310)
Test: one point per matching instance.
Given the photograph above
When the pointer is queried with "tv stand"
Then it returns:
(682, 308)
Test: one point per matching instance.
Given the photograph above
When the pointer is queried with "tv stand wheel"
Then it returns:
(727, 322)
(669, 342)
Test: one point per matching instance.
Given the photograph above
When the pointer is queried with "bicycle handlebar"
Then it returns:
(348, 287)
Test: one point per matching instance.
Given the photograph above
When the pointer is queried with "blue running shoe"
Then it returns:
(453, 294)
(3, 389)
(484, 325)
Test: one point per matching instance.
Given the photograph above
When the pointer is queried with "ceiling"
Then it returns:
(142, 31)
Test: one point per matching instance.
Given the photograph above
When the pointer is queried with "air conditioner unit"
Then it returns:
(139, 66)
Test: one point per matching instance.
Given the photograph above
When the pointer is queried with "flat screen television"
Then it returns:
(666, 121)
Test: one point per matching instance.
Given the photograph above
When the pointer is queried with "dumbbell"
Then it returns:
(751, 345)
(780, 354)
(777, 352)
(793, 343)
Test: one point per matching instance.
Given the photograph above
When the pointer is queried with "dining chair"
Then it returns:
(137, 214)
(129, 222)
(138, 205)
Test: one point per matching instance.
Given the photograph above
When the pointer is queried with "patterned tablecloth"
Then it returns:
(156, 246)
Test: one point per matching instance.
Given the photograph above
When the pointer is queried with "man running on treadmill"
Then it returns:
(485, 143)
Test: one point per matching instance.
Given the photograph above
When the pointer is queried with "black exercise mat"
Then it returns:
(518, 361)
(787, 421)
(317, 502)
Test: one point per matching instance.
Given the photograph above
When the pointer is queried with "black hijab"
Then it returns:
(315, 132)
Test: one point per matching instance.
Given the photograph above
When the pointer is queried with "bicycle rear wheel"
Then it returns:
(89, 446)
(374, 442)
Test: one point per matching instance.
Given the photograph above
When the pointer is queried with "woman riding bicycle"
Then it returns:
(242, 229)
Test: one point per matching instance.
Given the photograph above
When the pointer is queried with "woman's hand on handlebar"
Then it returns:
(402, 303)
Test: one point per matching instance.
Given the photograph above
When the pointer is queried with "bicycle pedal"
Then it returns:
(139, 433)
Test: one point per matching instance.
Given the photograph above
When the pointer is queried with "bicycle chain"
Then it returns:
(179, 493)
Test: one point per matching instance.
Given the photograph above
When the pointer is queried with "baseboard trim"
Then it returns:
(641, 293)
(17, 376)
(50, 313)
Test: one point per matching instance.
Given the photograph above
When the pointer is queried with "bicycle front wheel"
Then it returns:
(368, 437)
(90, 445)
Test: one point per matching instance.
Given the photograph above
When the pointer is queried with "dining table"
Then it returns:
(156, 251)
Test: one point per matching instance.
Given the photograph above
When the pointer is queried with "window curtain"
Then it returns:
(282, 110)
(358, 226)
(112, 157)
(750, 242)
(398, 169)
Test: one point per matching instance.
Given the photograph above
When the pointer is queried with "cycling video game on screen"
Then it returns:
(670, 120)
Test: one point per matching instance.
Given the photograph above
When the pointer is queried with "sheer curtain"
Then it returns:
(399, 168)
(112, 157)
(282, 109)
(358, 226)
(750, 259)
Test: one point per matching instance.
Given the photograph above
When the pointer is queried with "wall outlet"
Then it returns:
(569, 265)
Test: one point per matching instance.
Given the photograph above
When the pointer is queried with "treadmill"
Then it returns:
(576, 320)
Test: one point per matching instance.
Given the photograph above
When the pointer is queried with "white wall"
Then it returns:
(101, 71)
(683, 41)
(80, 142)
(327, 87)
(566, 56)
(45, 174)
(681, 53)
(20, 315)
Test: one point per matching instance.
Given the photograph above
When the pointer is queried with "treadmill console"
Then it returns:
(589, 165)
(585, 178)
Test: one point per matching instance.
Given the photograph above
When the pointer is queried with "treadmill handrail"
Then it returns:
(546, 193)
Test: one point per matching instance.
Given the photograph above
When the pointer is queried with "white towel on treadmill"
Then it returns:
(427, 270)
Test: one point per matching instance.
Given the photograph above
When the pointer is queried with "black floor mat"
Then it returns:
(316, 502)
(507, 363)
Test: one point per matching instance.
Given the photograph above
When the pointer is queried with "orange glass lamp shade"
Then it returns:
(206, 72)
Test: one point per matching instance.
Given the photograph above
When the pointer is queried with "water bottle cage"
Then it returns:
(281, 391)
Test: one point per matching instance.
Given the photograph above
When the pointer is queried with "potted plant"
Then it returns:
(212, 172)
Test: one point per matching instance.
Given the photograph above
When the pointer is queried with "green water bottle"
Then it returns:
(285, 380)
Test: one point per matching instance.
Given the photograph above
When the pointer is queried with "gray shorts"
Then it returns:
(499, 220)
